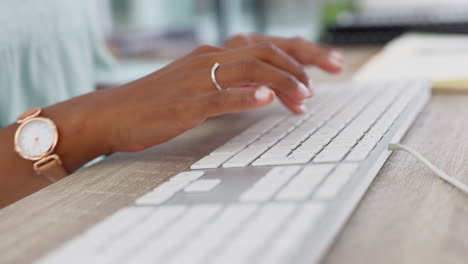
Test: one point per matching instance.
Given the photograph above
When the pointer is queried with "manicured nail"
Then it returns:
(303, 108)
(336, 55)
(336, 59)
(262, 95)
(304, 90)
(311, 88)
(338, 64)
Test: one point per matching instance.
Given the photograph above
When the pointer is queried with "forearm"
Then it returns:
(169, 102)
(80, 140)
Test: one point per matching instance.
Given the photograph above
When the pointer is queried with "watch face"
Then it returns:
(36, 138)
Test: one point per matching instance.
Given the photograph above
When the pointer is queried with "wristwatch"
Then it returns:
(36, 139)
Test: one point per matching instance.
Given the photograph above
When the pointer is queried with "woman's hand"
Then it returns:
(305, 52)
(169, 102)
(180, 96)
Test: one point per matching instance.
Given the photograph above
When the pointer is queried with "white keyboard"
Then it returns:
(276, 193)
(284, 140)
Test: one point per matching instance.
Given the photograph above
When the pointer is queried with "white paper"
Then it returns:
(429, 56)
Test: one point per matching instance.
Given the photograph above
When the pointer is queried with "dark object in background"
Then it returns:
(379, 27)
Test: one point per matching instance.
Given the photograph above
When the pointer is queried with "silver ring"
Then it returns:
(213, 76)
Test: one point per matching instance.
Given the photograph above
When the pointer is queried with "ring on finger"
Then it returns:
(213, 76)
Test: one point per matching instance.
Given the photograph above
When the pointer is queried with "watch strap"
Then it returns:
(51, 167)
(31, 113)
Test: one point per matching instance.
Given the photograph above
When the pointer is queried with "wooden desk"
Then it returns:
(407, 216)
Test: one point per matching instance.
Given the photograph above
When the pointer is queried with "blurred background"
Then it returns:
(173, 27)
(170, 28)
(147, 34)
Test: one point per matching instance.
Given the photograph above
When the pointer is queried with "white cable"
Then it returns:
(456, 183)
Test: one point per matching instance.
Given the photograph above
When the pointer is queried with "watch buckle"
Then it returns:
(45, 160)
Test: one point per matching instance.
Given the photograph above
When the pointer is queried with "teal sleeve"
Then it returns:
(50, 51)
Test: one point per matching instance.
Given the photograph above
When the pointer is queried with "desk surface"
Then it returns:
(407, 216)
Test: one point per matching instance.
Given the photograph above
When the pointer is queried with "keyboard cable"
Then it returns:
(454, 182)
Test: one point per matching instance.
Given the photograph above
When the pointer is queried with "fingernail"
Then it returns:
(304, 90)
(338, 64)
(336, 59)
(262, 95)
(336, 55)
(303, 108)
(311, 88)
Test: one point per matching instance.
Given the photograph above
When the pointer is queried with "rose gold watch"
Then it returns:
(36, 139)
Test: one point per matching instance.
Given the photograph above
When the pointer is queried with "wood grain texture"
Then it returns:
(407, 216)
(43, 221)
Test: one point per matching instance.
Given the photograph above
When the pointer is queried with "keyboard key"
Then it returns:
(187, 176)
(293, 234)
(276, 152)
(229, 148)
(211, 161)
(245, 138)
(302, 186)
(165, 191)
(288, 144)
(317, 140)
(154, 250)
(361, 152)
(110, 228)
(149, 226)
(281, 130)
(213, 235)
(266, 124)
(331, 155)
(257, 233)
(205, 185)
(340, 142)
(289, 160)
(336, 181)
(303, 157)
(307, 149)
(266, 187)
(265, 141)
(296, 136)
(245, 157)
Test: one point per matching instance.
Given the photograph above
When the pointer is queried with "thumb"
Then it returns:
(233, 100)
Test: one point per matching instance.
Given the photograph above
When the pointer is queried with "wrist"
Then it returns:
(80, 130)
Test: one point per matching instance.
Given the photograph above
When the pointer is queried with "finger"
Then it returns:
(306, 52)
(310, 53)
(251, 70)
(266, 52)
(270, 54)
(201, 80)
(239, 40)
(294, 106)
(204, 49)
(231, 100)
(201, 50)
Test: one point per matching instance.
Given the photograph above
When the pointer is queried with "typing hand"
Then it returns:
(181, 95)
(168, 102)
(305, 52)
